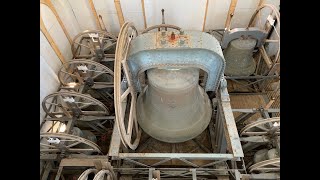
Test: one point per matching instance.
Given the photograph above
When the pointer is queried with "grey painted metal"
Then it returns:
(238, 56)
(199, 49)
(220, 136)
(230, 127)
(236, 33)
(255, 110)
(237, 175)
(194, 174)
(261, 176)
(173, 108)
(252, 77)
(206, 156)
(151, 174)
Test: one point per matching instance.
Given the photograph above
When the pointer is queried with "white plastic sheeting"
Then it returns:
(56, 32)
(188, 14)
(49, 66)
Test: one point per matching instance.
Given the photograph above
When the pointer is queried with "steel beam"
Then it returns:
(204, 156)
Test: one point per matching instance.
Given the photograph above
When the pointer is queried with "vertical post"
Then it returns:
(194, 174)
(119, 12)
(144, 14)
(205, 15)
(232, 8)
(59, 173)
(150, 177)
(93, 9)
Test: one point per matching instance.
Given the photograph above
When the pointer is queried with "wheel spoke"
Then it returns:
(73, 144)
(90, 146)
(82, 45)
(47, 145)
(108, 47)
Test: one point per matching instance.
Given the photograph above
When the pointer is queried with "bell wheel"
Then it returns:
(93, 43)
(262, 127)
(124, 93)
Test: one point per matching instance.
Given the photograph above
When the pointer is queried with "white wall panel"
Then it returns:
(67, 16)
(107, 10)
(132, 11)
(49, 82)
(48, 54)
(82, 12)
(217, 13)
(187, 14)
(56, 32)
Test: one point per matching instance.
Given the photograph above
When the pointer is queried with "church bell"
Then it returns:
(173, 107)
(238, 56)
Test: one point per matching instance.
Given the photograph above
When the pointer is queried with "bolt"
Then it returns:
(163, 33)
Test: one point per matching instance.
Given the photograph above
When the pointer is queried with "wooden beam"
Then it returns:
(51, 41)
(232, 8)
(51, 7)
(265, 57)
(93, 9)
(205, 15)
(259, 13)
(260, 3)
(144, 14)
(119, 12)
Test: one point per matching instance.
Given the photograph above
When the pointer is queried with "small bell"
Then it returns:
(238, 56)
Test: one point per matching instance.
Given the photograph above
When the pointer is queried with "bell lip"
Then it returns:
(208, 114)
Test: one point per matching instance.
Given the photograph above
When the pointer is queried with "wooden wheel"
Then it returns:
(271, 165)
(92, 43)
(257, 15)
(67, 105)
(104, 174)
(91, 73)
(86, 173)
(124, 94)
(262, 127)
(61, 143)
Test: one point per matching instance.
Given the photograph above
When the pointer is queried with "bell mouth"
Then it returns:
(171, 124)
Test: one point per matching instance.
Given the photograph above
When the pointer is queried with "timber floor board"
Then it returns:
(247, 102)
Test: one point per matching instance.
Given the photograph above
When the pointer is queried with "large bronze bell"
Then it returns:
(173, 107)
(238, 56)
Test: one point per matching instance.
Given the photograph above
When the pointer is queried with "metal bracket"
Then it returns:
(236, 33)
(224, 91)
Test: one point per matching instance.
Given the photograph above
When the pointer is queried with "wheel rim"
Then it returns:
(277, 14)
(71, 147)
(271, 165)
(70, 73)
(121, 98)
(248, 130)
(83, 40)
(84, 107)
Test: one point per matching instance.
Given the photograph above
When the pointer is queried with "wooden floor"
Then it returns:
(247, 102)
